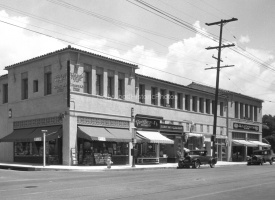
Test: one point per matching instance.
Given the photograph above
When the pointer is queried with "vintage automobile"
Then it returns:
(261, 156)
(195, 159)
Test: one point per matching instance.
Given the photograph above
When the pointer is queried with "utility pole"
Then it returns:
(221, 23)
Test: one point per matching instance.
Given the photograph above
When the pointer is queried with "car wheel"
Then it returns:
(196, 164)
(248, 163)
(261, 163)
(212, 164)
(271, 161)
(181, 165)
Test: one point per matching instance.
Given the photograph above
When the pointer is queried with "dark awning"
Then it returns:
(94, 133)
(18, 135)
(104, 134)
(52, 133)
(122, 135)
(33, 134)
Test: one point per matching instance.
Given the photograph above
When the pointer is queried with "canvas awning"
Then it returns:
(261, 144)
(153, 137)
(33, 134)
(104, 134)
(122, 135)
(243, 143)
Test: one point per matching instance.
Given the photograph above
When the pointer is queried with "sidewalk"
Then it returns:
(39, 167)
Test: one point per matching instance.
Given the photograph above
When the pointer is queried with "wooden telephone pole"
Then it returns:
(221, 23)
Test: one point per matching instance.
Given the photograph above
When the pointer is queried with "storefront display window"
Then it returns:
(96, 152)
(33, 152)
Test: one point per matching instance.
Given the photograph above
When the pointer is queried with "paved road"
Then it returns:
(232, 182)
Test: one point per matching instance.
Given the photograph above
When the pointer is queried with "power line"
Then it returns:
(69, 42)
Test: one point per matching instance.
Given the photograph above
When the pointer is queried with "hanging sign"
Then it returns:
(147, 123)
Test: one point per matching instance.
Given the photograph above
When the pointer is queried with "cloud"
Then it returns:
(18, 44)
(185, 60)
(244, 39)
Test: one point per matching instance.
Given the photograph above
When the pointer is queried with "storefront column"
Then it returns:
(69, 138)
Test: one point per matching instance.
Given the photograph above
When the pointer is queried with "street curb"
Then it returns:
(33, 168)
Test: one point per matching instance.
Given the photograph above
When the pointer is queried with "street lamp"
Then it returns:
(44, 146)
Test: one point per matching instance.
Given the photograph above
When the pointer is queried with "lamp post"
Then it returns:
(44, 146)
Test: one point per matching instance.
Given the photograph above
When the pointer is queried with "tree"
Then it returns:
(268, 125)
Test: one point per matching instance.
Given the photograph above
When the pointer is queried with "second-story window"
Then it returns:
(35, 86)
(187, 102)
(201, 105)
(236, 109)
(255, 114)
(163, 97)
(121, 86)
(241, 110)
(99, 85)
(87, 82)
(154, 96)
(194, 104)
(110, 87)
(141, 93)
(208, 106)
(179, 101)
(221, 108)
(251, 112)
(213, 106)
(24, 91)
(171, 99)
(48, 83)
(246, 111)
(5, 93)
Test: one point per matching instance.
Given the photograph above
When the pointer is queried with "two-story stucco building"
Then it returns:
(87, 104)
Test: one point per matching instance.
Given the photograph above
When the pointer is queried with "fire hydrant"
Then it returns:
(109, 162)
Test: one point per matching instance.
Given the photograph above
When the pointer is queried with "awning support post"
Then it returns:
(44, 147)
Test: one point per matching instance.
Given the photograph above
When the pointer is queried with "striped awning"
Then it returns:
(153, 137)
(244, 143)
(261, 144)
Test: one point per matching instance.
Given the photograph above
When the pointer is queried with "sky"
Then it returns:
(173, 49)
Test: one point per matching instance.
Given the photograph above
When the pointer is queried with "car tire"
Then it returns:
(271, 161)
(212, 164)
(261, 163)
(181, 165)
(196, 164)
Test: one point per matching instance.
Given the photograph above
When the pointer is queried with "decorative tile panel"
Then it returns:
(102, 122)
(37, 122)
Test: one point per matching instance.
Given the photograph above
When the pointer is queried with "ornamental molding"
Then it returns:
(49, 121)
(102, 122)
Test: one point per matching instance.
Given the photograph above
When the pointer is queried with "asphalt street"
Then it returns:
(230, 182)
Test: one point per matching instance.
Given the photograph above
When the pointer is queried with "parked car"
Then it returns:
(261, 156)
(195, 159)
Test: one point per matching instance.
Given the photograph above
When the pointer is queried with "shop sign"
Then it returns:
(245, 127)
(147, 123)
(171, 127)
(37, 139)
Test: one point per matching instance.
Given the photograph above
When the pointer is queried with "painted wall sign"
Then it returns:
(245, 127)
(60, 82)
(76, 78)
(147, 123)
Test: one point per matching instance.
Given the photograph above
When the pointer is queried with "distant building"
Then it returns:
(95, 117)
